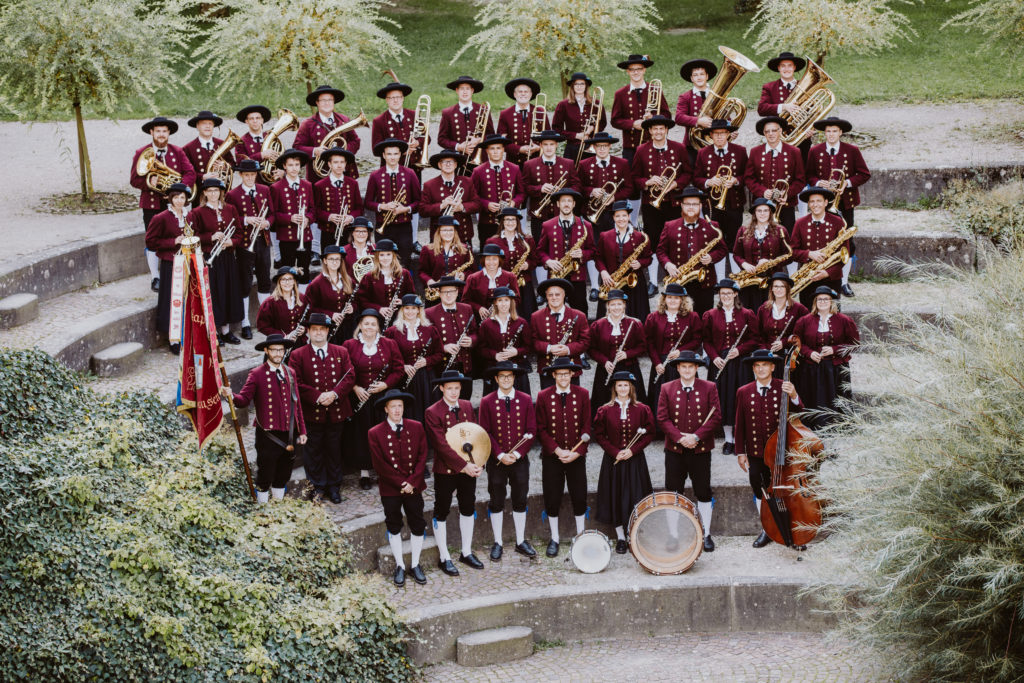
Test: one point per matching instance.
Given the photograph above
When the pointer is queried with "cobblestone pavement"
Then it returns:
(732, 657)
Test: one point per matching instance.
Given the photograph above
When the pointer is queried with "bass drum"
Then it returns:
(665, 533)
(590, 551)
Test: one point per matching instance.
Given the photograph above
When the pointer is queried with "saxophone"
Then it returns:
(624, 276)
(567, 265)
(835, 252)
(747, 279)
(432, 293)
(692, 269)
(520, 265)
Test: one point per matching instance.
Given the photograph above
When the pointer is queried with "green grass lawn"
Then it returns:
(937, 65)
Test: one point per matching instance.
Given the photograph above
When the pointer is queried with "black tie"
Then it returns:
(339, 183)
(557, 317)
(295, 186)
(252, 194)
(816, 223)
(280, 375)
(562, 396)
(508, 404)
(764, 391)
(549, 164)
(398, 431)
(257, 140)
(455, 413)
(465, 112)
(160, 154)
(604, 164)
(789, 88)
(398, 119)
(832, 151)
(691, 226)
(208, 146)
(523, 114)
(448, 183)
(703, 94)
(639, 92)
(321, 353)
(721, 154)
(497, 169)
(688, 389)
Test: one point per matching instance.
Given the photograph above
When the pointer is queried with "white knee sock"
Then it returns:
(224, 329)
(722, 268)
(302, 289)
(262, 497)
(315, 246)
(519, 519)
(153, 261)
(757, 504)
(705, 516)
(245, 311)
(592, 272)
(278, 494)
(847, 267)
(553, 523)
(364, 473)
(728, 432)
(395, 540)
(441, 536)
(540, 274)
(620, 534)
(261, 297)
(497, 518)
(581, 523)
(466, 523)
(652, 272)
(417, 547)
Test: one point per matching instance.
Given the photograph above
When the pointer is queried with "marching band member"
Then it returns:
(457, 324)
(617, 342)
(827, 338)
(287, 197)
(163, 237)
(200, 150)
(568, 234)
(439, 194)
(273, 388)
(683, 238)
(613, 248)
(757, 418)
(516, 122)
(398, 446)
(624, 480)
(504, 335)
(459, 121)
(775, 93)
(211, 220)
(518, 246)
(563, 417)
(730, 332)
(359, 245)
(689, 414)
(330, 293)
(377, 366)
(673, 328)
(396, 122)
(313, 130)
(556, 329)
(509, 419)
(705, 176)
(834, 155)
(420, 345)
(698, 72)
(325, 378)
(777, 317)
(283, 311)
(481, 283)
(250, 200)
(629, 108)
(572, 115)
(497, 183)
(334, 192)
(540, 176)
(811, 234)
(772, 162)
(760, 241)
(452, 473)
(384, 187)
(597, 171)
(445, 255)
(251, 147)
(383, 287)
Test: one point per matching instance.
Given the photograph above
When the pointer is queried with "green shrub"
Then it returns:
(125, 555)
(991, 211)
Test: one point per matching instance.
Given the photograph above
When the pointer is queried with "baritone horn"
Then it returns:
(420, 129)
(225, 173)
(286, 121)
(718, 104)
(336, 138)
(813, 98)
(159, 176)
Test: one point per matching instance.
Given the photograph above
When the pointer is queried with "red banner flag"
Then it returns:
(199, 378)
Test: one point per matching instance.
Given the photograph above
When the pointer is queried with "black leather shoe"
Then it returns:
(552, 550)
(585, 362)
(471, 560)
(176, 349)
(621, 547)
(593, 293)
(762, 540)
(448, 567)
(800, 548)
(365, 483)
(399, 577)
(417, 247)
(526, 549)
(246, 332)
(847, 290)
(709, 544)
(230, 338)
(314, 261)
(335, 496)
(652, 289)
(729, 448)
(418, 576)
(496, 551)
(155, 284)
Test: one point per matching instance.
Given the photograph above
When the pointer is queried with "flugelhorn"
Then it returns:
(780, 195)
(718, 192)
(390, 215)
(420, 129)
(336, 138)
(559, 184)
(597, 205)
(668, 176)
(836, 181)
(456, 198)
(718, 104)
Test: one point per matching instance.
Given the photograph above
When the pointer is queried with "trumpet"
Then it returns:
(222, 244)
(455, 198)
(302, 226)
(259, 227)
(668, 176)
(559, 184)
(420, 129)
(597, 205)
(654, 95)
(391, 214)
(336, 138)
(483, 117)
(836, 180)
(286, 121)
(718, 192)
(780, 192)
(539, 120)
(339, 229)
(593, 117)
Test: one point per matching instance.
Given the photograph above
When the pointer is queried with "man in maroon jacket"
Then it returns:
(200, 150)
(453, 472)
(458, 327)
(811, 234)
(313, 130)
(568, 234)
(334, 192)
(688, 107)
(516, 122)
(718, 155)
(396, 122)
(252, 202)
(629, 107)
(251, 147)
(459, 121)
(775, 93)
(683, 238)
(294, 211)
(770, 164)
(555, 322)
(497, 183)
(438, 196)
(383, 190)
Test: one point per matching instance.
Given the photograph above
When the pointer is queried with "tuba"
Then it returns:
(815, 101)
(226, 174)
(336, 138)
(286, 121)
(718, 104)
(159, 176)
(420, 129)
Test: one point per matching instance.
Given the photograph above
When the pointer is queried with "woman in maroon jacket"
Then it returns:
(673, 328)
(422, 351)
(163, 236)
(504, 335)
(283, 312)
(211, 221)
(827, 338)
(359, 245)
(760, 241)
(776, 318)
(383, 287)
(515, 243)
(480, 284)
(730, 332)
(330, 293)
(445, 255)
(617, 342)
(571, 114)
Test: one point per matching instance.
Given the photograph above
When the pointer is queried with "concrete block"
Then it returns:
(117, 360)
(911, 184)
(495, 646)
(75, 345)
(53, 272)
(428, 556)
(18, 309)
(121, 256)
(945, 247)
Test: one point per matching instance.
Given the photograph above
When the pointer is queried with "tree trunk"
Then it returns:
(564, 75)
(821, 59)
(84, 167)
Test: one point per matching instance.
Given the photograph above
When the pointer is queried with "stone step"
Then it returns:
(117, 360)
(18, 309)
(494, 646)
(428, 557)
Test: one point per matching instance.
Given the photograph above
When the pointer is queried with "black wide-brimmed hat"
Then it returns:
(658, 120)
(721, 124)
(674, 289)
(510, 211)
(350, 158)
(172, 126)
(798, 62)
(561, 363)
(312, 97)
(543, 287)
(395, 395)
(762, 122)
(282, 271)
(213, 182)
(843, 124)
(359, 222)
(579, 76)
(248, 166)
(175, 188)
(448, 281)
(379, 148)
(624, 376)
(436, 159)
(616, 295)
(291, 154)
(412, 300)
(244, 112)
(511, 86)
(825, 289)
(275, 340)
(726, 283)
(492, 250)
(205, 115)
(566, 192)
(688, 191)
(687, 68)
(499, 292)
(495, 139)
(333, 249)
(828, 194)
(781, 276)
(444, 221)
(552, 135)
(451, 376)
(372, 313)
(643, 60)
(763, 355)
(402, 87)
(621, 205)
(385, 245)
(475, 84)
(688, 357)
(319, 319)
(761, 201)
(603, 136)
(504, 366)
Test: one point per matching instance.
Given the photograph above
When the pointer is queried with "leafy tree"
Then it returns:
(58, 58)
(529, 36)
(1001, 20)
(824, 27)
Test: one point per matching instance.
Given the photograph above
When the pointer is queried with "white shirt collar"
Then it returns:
(450, 405)
(326, 121)
(335, 178)
(395, 425)
(769, 149)
(761, 386)
(319, 348)
(829, 148)
(503, 395)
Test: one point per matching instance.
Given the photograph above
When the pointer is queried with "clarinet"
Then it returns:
(378, 378)
(395, 300)
(451, 361)
(302, 323)
(675, 346)
(622, 345)
(568, 332)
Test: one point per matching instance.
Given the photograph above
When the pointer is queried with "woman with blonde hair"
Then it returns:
(672, 328)
(777, 317)
(516, 244)
(383, 287)
(827, 338)
(419, 342)
(330, 292)
(504, 335)
(284, 309)
(445, 254)
(760, 241)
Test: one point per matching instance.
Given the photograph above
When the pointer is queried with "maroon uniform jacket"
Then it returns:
(493, 340)
(679, 243)
(328, 198)
(610, 253)
(368, 368)
(455, 127)
(769, 329)
(687, 108)
(311, 133)
(506, 425)
(848, 158)
(477, 291)
(554, 244)
(317, 375)
(810, 235)
(649, 162)
(719, 335)
(604, 344)
(697, 411)
(275, 317)
(381, 188)
(764, 168)
(427, 344)
(546, 331)
(569, 120)
(436, 420)
(162, 232)
(562, 424)
(489, 186)
(612, 433)
(175, 159)
(536, 173)
(451, 326)
(273, 398)
(324, 298)
(352, 255)
(376, 294)
(514, 252)
(250, 148)
(435, 191)
(247, 205)
(517, 129)
(662, 334)
(199, 156)
(384, 127)
(205, 222)
(628, 107)
(842, 336)
(749, 250)
(287, 201)
(593, 175)
(757, 417)
(433, 265)
(773, 94)
(707, 165)
(399, 460)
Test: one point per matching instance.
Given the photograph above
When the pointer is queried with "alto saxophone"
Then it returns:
(520, 265)
(835, 252)
(567, 265)
(692, 269)
(744, 278)
(432, 293)
(624, 276)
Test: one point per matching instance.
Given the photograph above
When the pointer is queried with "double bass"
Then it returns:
(791, 514)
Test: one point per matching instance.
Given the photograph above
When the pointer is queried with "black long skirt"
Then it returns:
(620, 487)
(163, 298)
(225, 290)
(752, 297)
(638, 305)
(654, 384)
(356, 447)
(424, 393)
(603, 389)
(527, 303)
(735, 375)
(819, 385)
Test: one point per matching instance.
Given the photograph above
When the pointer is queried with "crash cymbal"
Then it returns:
(469, 439)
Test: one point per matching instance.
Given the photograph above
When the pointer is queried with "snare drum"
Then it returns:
(665, 533)
(590, 551)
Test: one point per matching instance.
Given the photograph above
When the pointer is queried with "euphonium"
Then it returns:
(226, 174)
(692, 269)
(780, 195)
(159, 176)
(286, 121)
(667, 178)
(815, 102)
(761, 272)
(559, 184)
(836, 183)
(654, 95)
(718, 104)
(718, 192)
(483, 116)
(336, 138)
(597, 205)
(420, 129)
(539, 120)
(624, 276)
(835, 252)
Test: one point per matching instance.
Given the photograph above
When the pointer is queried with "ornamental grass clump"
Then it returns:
(987, 210)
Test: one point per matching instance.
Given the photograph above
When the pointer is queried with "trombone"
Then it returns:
(559, 184)
(539, 120)
(654, 95)
(667, 177)
(593, 118)
(420, 129)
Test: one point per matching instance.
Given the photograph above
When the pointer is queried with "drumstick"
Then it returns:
(636, 437)
(585, 438)
(526, 437)
(708, 417)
